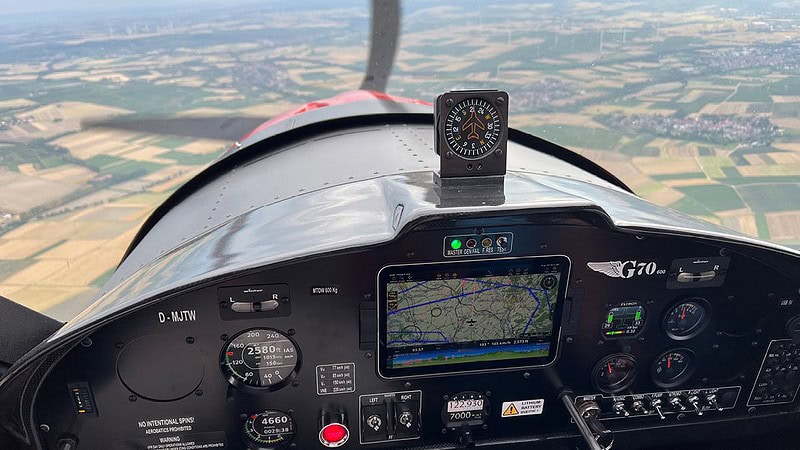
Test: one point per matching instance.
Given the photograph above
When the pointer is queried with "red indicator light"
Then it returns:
(229, 353)
(334, 435)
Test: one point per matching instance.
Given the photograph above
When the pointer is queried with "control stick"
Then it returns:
(587, 417)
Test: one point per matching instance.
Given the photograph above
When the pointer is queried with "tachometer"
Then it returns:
(260, 358)
(673, 367)
(268, 430)
(687, 319)
(614, 373)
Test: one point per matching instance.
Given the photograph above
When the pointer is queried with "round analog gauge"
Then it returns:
(268, 430)
(261, 358)
(624, 320)
(473, 128)
(673, 367)
(614, 373)
(687, 319)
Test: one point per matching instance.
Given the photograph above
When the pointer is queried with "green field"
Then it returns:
(771, 197)
(714, 197)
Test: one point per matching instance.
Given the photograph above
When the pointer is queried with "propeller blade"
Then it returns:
(384, 39)
(228, 128)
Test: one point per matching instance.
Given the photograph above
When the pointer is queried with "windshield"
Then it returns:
(695, 105)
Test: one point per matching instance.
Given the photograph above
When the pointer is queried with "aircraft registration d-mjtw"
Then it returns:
(371, 271)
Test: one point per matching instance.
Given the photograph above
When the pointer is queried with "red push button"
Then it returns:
(334, 435)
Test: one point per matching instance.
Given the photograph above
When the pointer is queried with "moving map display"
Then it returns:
(470, 315)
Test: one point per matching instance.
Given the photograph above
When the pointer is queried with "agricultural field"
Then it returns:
(696, 109)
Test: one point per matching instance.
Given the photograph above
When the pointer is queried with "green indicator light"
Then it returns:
(610, 317)
(455, 244)
(638, 314)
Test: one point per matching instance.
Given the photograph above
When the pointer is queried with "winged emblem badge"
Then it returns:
(625, 269)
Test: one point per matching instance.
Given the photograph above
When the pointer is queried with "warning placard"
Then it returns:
(522, 408)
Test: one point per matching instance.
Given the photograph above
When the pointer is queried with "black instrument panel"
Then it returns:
(289, 355)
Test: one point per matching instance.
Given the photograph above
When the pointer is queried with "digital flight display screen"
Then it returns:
(470, 315)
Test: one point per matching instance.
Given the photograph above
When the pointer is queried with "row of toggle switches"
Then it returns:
(661, 404)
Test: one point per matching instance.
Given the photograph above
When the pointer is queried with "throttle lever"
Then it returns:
(590, 411)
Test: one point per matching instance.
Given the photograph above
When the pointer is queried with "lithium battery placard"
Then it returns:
(522, 408)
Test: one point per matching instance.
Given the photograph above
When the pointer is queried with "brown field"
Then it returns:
(17, 103)
(71, 249)
(532, 120)
(21, 248)
(84, 269)
(54, 119)
(65, 75)
(786, 98)
(661, 166)
(68, 173)
(644, 108)
(785, 158)
(787, 122)
(791, 146)
(732, 108)
(784, 225)
(204, 146)
(21, 192)
(36, 273)
(688, 182)
(40, 297)
(769, 170)
(663, 196)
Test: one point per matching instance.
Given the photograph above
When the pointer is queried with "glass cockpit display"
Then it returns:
(464, 316)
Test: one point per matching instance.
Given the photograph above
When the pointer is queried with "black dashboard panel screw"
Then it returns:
(131, 398)
(641, 339)
(87, 342)
(448, 102)
(445, 397)
(291, 331)
(488, 393)
(569, 340)
(444, 430)
(639, 238)
(501, 100)
(754, 344)
(198, 392)
(448, 155)
(285, 300)
(407, 385)
(715, 346)
(543, 245)
(190, 340)
(293, 445)
(223, 337)
(498, 153)
(44, 428)
(290, 411)
(601, 342)
(681, 417)
(119, 345)
(410, 254)
(704, 380)
(578, 281)
(223, 305)
(751, 410)
(368, 355)
(485, 427)
(526, 375)
(724, 252)
(295, 383)
(367, 296)
(626, 349)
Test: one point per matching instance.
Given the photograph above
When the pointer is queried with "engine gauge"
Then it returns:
(261, 359)
(614, 373)
(624, 320)
(268, 430)
(687, 319)
(673, 367)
